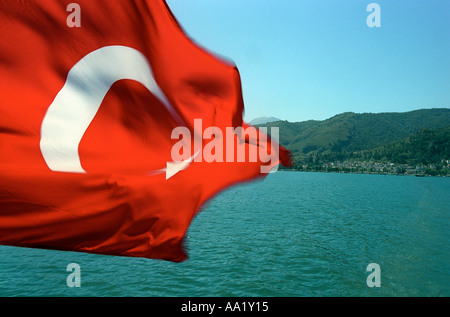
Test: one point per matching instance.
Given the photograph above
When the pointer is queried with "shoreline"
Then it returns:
(362, 173)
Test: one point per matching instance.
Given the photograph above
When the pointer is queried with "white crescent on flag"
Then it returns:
(76, 104)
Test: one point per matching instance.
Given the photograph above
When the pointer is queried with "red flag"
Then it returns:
(95, 102)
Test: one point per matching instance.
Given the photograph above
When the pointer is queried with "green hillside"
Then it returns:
(425, 147)
(416, 137)
(356, 132)
(428, 146)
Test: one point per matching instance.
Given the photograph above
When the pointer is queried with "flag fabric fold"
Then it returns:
(86, 116)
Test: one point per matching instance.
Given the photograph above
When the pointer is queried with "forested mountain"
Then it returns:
(425, 147)
(416, 137)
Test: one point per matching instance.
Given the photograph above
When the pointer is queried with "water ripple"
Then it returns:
(294, 234)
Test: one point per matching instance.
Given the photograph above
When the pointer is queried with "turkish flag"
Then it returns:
(89, 98)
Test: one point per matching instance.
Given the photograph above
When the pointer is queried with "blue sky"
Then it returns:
(313, 59)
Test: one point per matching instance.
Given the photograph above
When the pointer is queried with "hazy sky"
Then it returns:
(312, 59)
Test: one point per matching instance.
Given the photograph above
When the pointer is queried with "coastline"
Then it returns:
(358, 172)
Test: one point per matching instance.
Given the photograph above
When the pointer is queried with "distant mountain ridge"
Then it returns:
(354, 132)
(263, 120)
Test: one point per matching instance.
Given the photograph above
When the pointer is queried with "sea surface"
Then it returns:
(293, 234)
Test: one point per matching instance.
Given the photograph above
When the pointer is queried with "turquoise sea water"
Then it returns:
(293, 234)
